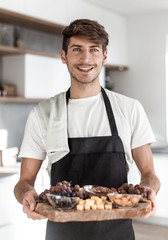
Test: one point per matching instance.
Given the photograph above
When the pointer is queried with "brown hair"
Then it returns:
(87, 29)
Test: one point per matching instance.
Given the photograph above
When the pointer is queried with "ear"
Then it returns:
(63, 57)
(105, 57)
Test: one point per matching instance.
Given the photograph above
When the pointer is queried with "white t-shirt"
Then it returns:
(87, 117)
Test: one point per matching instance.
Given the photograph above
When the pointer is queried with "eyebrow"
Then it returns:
(76, 45)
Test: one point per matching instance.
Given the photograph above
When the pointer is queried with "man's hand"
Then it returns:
(24, 190)
(151, 195)
(29, 204)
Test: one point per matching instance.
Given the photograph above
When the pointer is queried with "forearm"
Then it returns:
(21, 188)
(150, 180)
(29, 170)
(24, 190)
(144, 161)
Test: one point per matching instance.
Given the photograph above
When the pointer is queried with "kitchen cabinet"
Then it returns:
(20, 53)
(36, 76)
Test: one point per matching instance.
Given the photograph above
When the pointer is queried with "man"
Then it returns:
(90, 135)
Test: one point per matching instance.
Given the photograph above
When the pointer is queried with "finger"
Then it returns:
(32, 206)
(32, 214)
(151, 196)
(30, 200)
(29, 204)
(35, 216)
(152, 212)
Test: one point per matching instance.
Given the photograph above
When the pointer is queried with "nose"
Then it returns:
(85, 56)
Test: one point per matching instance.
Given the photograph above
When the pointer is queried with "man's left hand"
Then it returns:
(151, 195)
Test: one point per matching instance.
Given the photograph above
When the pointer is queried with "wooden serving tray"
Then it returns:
(74, 215)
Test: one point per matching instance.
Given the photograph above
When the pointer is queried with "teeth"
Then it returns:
(84, 69)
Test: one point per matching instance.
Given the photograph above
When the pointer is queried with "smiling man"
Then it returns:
(91, 136)
(84, 60)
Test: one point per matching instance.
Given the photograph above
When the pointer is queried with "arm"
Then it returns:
(24, 190)
(144, 161)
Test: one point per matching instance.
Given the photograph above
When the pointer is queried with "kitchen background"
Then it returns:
(136, 67)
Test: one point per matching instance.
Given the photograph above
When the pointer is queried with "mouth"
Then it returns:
(85, 69)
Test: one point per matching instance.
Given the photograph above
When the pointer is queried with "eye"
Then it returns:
(94, 50)
(76, 49)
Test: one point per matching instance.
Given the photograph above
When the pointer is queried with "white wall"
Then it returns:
(13, 5)
(145, 80)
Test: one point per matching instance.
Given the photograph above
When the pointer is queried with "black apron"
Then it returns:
(98, 161)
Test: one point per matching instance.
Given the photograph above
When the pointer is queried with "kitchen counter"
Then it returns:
(160, 150)
(6, 171)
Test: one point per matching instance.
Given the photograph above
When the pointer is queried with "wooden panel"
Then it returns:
(8, 50)
(19, 100)
(115, 67)
(29, 22)
(93, 215)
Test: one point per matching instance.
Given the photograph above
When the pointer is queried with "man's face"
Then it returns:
(84, 60)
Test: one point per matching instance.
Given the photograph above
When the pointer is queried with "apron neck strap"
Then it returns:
(110, 114)
(109, 111)
(67, 95)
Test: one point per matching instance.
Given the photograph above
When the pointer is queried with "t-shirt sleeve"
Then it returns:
(141, 130)
(32, 144)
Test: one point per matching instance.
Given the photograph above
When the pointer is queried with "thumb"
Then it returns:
(29, 201)
(32, 206)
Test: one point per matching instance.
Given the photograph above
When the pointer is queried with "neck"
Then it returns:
(84, 91)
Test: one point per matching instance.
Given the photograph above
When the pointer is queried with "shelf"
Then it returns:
(25, 21)
(20, 100)
(13, 169)
(8, 50)
(30, 22)
(116, 67)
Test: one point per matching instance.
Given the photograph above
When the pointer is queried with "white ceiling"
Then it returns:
(130, 7)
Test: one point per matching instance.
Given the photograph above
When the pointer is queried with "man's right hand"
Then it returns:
(29, 204)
